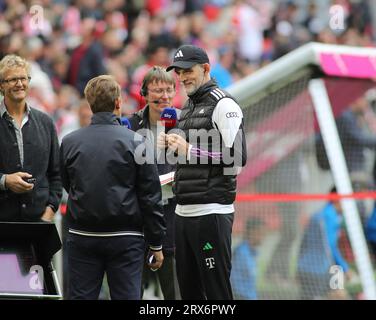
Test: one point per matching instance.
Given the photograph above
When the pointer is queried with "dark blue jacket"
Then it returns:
(244, 272)
(90, 66)
(319, 247)
(354, 140)
(371, 227)
(110, 187)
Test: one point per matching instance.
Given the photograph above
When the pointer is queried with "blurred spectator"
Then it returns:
(371, 232)
(244, 261)
(258, 31)
(319, 251)
(180, 32)
(221, 69)
(250, 31)
(112, 42)
(362, 182)
(71, 20)
(312, 21)
(192, 6)
(59, 70)
(355, 137)
(360, 17)
(285, 178)
(87, 59)
(326, 36)
(357, 132)
(65, 115)
(89, 9)
(41, 89)
(157, 55)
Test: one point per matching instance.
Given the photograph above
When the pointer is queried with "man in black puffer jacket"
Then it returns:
(210, 152)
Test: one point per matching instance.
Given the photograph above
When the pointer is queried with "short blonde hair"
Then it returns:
(156, 74)
(101, 93)
(13, 61)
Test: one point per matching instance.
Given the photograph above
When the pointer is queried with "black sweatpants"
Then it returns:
(203, 256)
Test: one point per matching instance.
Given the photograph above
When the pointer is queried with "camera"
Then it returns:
(29, 180)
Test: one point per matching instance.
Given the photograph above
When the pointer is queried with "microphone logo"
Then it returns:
(168, 117)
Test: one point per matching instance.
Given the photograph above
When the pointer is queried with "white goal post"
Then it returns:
(326, 69)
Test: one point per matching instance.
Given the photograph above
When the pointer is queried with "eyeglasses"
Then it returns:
(14, 81)
(160, 91)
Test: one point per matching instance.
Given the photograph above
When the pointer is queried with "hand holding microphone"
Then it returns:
(177, 144)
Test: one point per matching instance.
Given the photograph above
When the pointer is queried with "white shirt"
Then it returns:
(227, 117)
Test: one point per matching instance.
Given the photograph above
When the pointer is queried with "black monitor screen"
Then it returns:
(18, 269)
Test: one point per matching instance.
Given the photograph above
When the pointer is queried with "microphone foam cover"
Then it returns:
(125, 122)
(168, 117)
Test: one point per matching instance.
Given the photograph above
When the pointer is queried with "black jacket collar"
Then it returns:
(203, 90)
(105, 118)
(143, 114)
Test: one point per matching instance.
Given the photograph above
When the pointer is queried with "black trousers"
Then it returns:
(167, 273)
(203, 256)
(120, 257)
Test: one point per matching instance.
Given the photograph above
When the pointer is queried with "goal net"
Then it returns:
(292, 238)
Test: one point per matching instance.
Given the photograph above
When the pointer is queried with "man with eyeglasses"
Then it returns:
(30, 183)
(158, 89)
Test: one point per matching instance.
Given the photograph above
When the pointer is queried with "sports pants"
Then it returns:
(203, 256)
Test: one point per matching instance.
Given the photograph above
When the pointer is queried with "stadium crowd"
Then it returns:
(70, 42)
